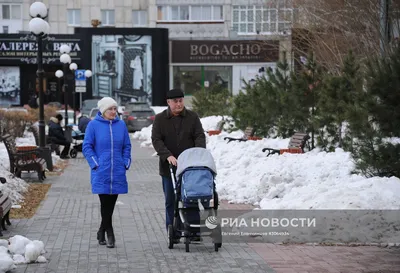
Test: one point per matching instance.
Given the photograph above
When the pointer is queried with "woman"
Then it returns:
(107, 149)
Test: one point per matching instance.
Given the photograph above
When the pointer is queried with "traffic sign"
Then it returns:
(80, 75)
(81, 89)
(80, 83)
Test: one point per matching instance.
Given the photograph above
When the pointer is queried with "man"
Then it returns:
(56, 135)
(83, 121)
(174, 130)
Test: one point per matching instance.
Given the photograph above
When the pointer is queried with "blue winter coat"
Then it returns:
(107, 149)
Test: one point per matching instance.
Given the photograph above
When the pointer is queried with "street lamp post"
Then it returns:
(39, 28)
(59, 75)
(65, 59)
(88, 74)
(73, 67)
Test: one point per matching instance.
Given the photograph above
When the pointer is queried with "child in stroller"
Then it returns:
(77, 142)
(196, 199)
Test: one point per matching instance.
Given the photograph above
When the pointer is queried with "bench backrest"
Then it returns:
(298, 140)
(249, 132)
(9, 143)
(220, 125)
(5, 204)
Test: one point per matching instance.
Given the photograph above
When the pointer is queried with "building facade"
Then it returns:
(212, 42)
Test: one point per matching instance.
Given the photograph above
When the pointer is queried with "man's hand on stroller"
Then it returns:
(172, 160)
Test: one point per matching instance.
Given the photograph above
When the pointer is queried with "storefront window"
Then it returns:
(194, 78)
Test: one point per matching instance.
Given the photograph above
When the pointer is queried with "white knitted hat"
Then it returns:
(106, 103)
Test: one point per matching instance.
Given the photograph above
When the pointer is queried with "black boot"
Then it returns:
(101, 236)
(110, 239)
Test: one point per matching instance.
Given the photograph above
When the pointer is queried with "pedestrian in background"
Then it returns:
(107, 149)
(56, 136)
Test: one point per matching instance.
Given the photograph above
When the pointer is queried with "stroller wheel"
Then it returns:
(170, 237)
(73, 153)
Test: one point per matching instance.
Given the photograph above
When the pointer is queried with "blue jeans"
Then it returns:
(169, 200)
(193, 217)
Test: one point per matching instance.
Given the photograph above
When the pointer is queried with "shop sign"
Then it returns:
(17, 49)
(224, 51)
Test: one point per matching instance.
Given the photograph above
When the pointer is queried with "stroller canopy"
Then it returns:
(195, 157)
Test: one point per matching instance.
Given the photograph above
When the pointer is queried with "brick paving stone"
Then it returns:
(333, 259)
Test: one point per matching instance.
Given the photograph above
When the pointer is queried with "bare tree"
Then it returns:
(330, 28)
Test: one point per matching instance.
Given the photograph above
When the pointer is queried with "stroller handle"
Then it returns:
(171, 170)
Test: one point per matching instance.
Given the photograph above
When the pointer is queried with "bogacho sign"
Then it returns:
(18, 48)
(224, 51)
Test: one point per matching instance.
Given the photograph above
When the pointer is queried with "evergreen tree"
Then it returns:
(281, 81)
(377, 119)
(337, 97)
(255, 107)
(216, 101)
(304, 96)
(263, 104)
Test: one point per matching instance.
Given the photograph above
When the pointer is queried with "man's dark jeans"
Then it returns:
(192, 218)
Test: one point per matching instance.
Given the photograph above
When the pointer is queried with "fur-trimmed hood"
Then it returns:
(55, 120)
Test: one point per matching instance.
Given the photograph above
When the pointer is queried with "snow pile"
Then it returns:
(20, 250)
(15, 187)
(158, 109)
(314, 180)
(144, 135)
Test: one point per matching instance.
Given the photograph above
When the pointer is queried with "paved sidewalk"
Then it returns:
(335, 259)
(68, 219)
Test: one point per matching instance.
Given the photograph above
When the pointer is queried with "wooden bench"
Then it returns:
(35, 131)
(45, 153)
(248, 135)
(53, 147)
(218, 128)
(296, 145)
(5, 206)
(24, 160)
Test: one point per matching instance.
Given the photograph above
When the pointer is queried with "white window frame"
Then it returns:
(168, 13)
(287, 11)
(11, 13)
(140, 13)
(107, 13)
(74, 12)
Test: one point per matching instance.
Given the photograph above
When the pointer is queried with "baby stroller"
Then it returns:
(77, 142)
(195, 194)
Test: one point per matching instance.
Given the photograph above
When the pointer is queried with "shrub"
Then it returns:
(48, 113)
(14, 122)
(215, 101)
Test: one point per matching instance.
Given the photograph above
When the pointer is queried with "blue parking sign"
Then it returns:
(80, 75)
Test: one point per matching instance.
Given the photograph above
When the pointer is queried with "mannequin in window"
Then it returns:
(136, 65)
